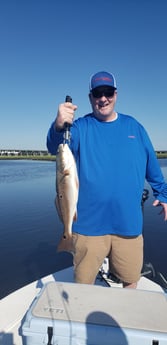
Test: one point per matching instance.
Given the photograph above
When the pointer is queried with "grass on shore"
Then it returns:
(162, 155)
(29, 157)
(53, 158)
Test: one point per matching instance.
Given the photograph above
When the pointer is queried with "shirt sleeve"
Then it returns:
(154, 174)
(54, 138)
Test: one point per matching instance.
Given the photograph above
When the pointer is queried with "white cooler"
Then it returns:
(79, 314)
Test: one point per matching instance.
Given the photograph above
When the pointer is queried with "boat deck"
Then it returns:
(14, 307)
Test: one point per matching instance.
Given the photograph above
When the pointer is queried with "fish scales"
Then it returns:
(67, 186)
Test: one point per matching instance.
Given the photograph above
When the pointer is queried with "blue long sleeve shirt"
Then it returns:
(113, 161)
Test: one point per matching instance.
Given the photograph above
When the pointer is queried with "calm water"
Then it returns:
(30, 229)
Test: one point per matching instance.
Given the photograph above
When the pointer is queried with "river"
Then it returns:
(30, 228)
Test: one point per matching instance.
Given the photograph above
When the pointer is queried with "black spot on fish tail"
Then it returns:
(65, 244)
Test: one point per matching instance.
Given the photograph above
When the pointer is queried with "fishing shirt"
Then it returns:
(113, 160)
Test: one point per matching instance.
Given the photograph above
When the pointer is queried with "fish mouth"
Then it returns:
(60, 148)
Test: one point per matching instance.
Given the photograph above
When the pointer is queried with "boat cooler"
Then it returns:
(80, 314)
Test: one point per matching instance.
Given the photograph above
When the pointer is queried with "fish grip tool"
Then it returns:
(67, 134)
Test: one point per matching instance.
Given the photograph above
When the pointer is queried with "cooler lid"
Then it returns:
(128, 308)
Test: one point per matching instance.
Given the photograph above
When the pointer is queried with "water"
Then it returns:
(30, 228)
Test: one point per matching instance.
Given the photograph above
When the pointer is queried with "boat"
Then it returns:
(55, 310)
(100, 312)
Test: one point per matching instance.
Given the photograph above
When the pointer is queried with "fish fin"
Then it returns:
(58, 208)
(66, 172)
(65, 244)
(75, 216)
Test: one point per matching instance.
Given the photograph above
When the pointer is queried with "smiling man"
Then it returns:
(114, 156)
(103, 96)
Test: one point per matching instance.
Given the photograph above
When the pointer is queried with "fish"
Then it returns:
(67, 189)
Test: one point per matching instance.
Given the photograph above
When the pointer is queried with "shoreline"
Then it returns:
(52, 158)
(29, 157)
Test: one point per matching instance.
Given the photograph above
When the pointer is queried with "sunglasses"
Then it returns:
(98, 93)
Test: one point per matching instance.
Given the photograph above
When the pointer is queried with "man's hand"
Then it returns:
(65, 114)
(164, 207)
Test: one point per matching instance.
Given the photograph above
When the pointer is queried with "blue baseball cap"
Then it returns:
(102, 78)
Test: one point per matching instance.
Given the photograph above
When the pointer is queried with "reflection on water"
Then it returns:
(30, 228)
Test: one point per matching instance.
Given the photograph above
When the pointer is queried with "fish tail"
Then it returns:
(66, 244)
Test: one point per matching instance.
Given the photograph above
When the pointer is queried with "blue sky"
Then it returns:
(49, 48)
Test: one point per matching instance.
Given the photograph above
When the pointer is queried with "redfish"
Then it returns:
(67, 187)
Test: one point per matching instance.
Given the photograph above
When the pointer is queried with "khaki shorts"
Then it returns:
(125, 257)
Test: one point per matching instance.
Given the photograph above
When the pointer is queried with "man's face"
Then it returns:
(103, 99)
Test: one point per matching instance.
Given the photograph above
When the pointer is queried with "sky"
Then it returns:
(50, 48)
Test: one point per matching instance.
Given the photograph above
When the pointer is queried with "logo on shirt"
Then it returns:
(131, 136)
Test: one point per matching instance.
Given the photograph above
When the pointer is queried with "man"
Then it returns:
(114, 155)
